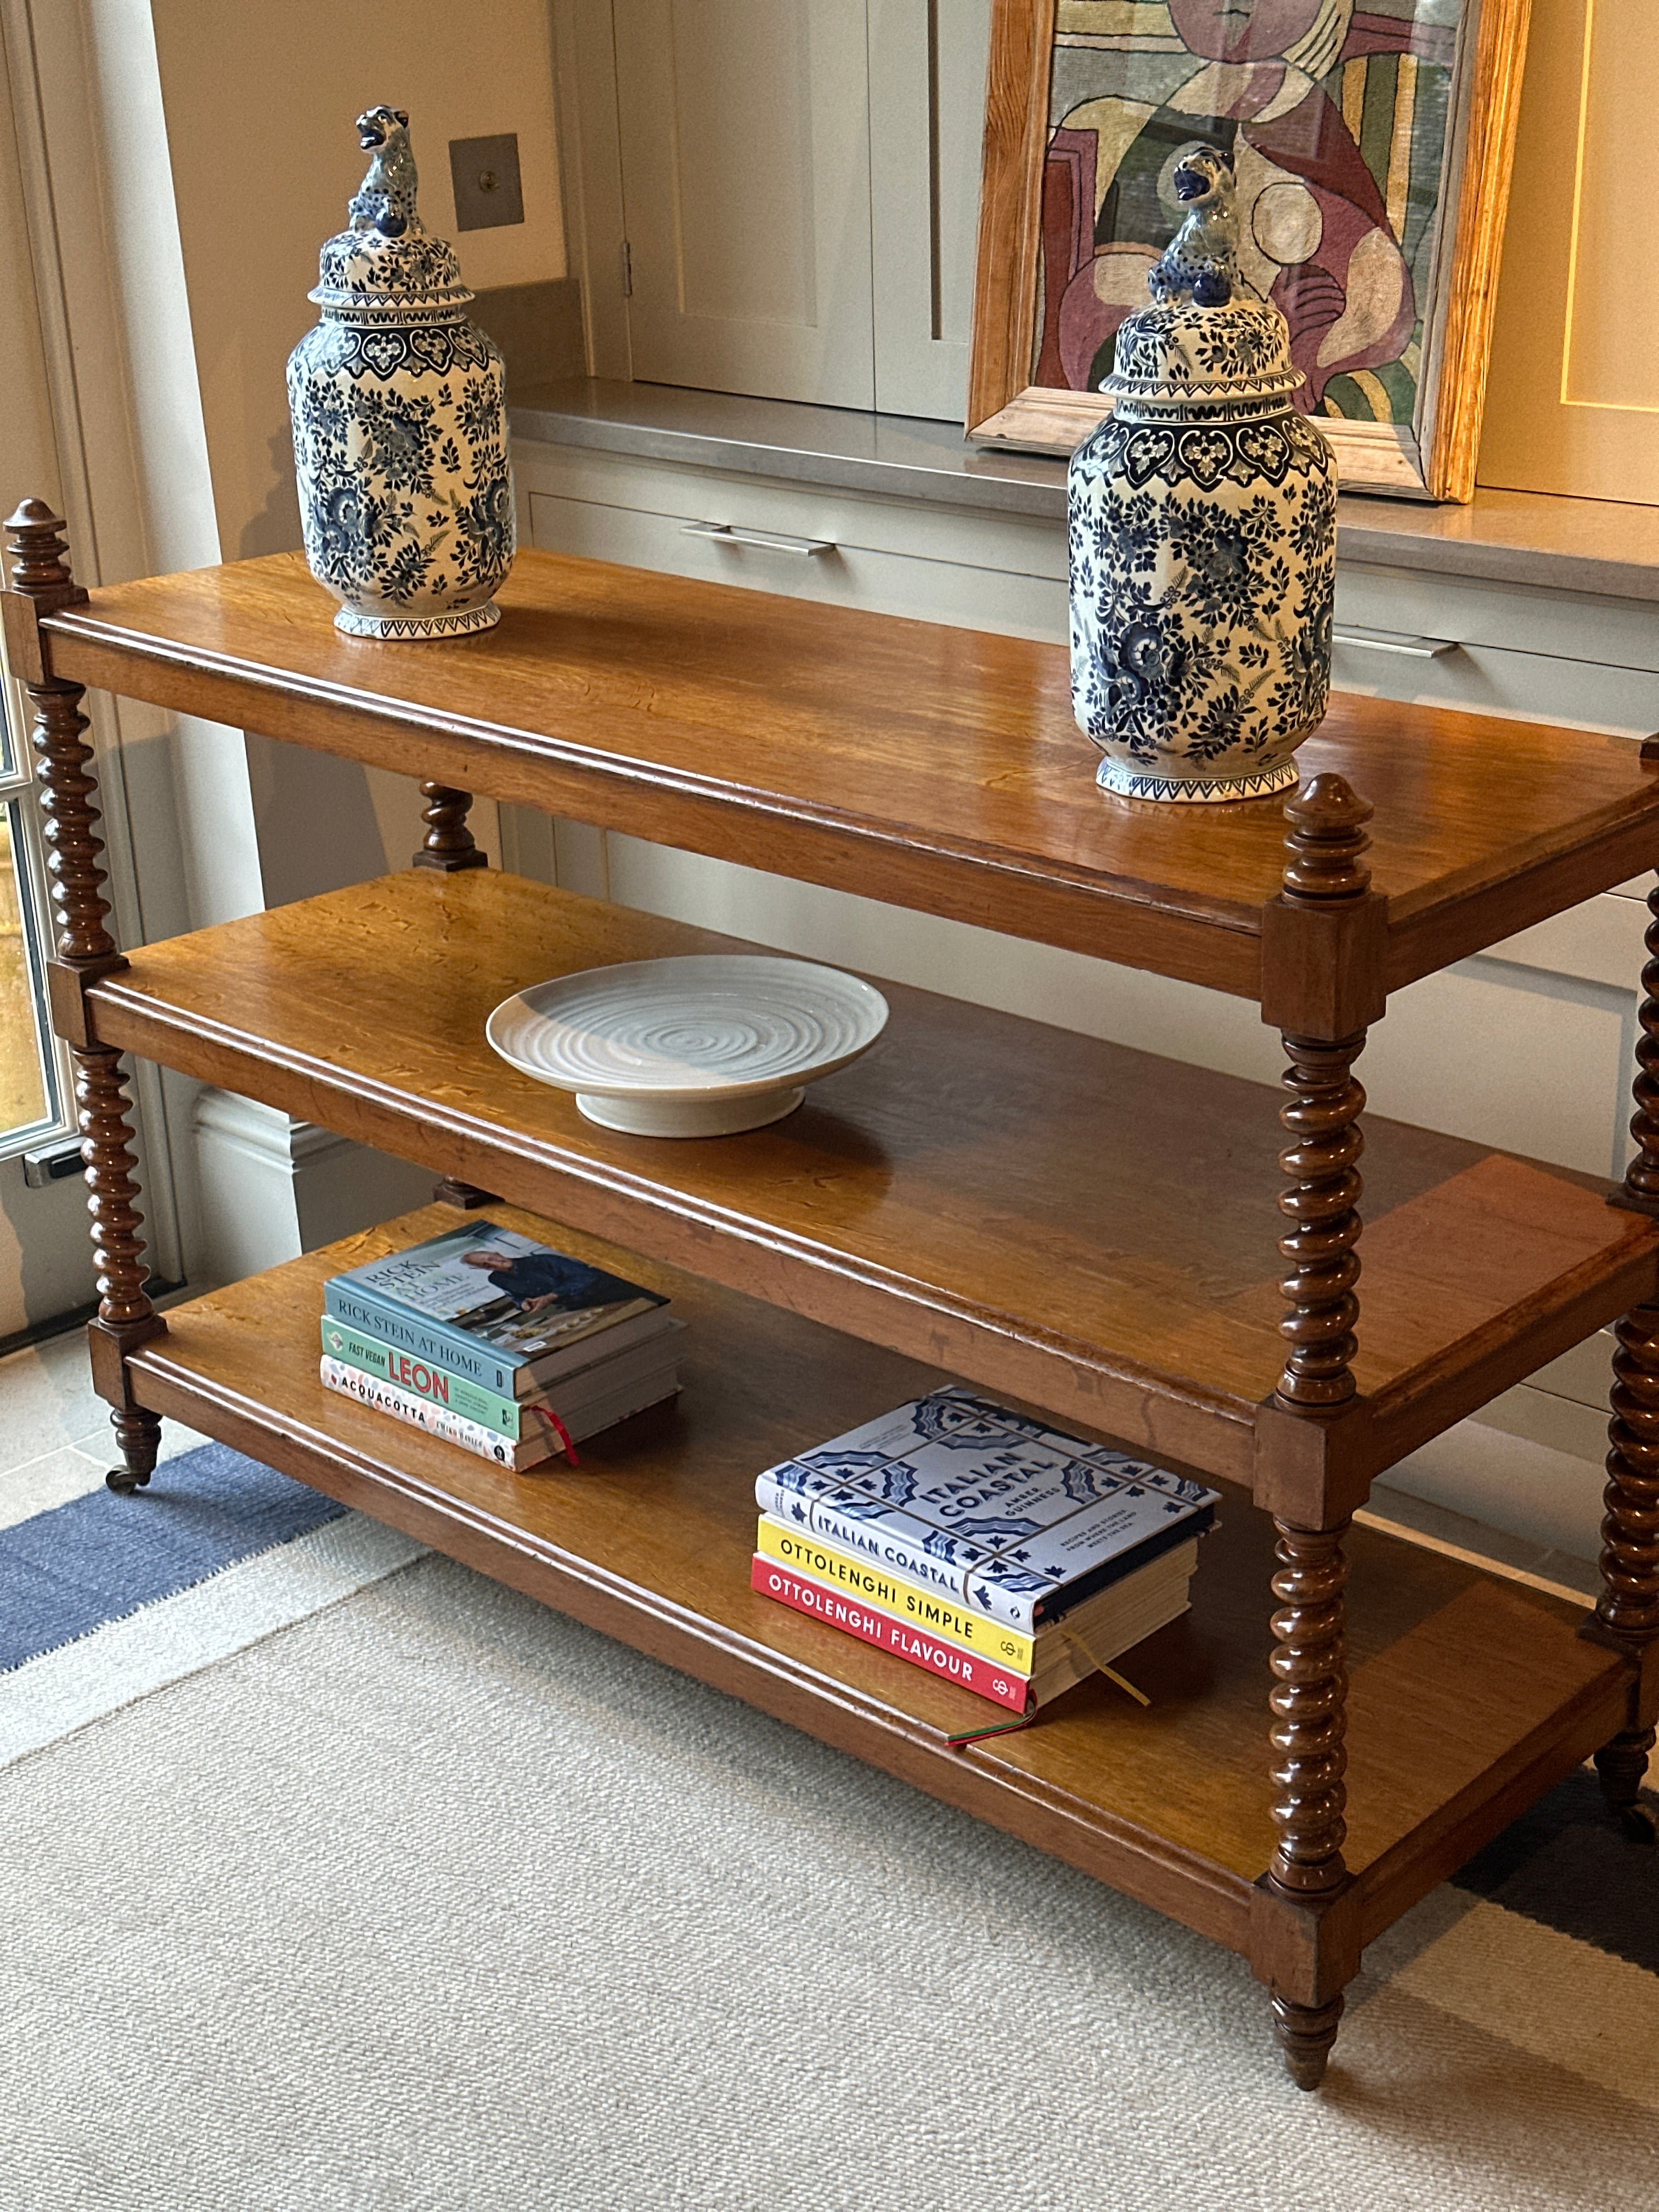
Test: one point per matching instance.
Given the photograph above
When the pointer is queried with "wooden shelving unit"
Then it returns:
(1084, 1228)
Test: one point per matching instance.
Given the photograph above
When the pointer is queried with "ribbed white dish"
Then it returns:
(702, 1046)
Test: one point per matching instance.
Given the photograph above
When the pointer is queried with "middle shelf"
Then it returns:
(1083, 1225)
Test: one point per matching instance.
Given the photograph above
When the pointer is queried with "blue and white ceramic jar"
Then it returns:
(1203, 534)
(399, 407)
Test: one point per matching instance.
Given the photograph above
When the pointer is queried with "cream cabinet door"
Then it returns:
(927, 62)
(1573, 394)
(746, 159)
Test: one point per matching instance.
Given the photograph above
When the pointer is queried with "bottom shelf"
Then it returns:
(1469, 1696)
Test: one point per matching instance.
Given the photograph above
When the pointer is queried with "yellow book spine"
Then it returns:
(969, 1631)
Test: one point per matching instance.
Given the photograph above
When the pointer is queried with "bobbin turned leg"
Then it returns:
(126, 1317)
(1320, 1202)
(1627, 1614)
(40, 583)
(1308, 1915)
(1310, 1720)
(1628, 1611)
(447, 844)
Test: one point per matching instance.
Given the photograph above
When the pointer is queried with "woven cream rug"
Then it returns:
(432, 1898)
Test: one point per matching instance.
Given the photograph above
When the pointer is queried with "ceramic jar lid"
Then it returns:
(1179, 356)
(1206, 341)
(362, 271)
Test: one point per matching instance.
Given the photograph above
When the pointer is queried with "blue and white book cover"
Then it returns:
(1017, 1519)
(897, 1542)
(482, 1285)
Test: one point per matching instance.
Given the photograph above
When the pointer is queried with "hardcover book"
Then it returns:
(602, 1410)
(853, 1617)
(989, 1507)
(1153, 1599)
(1096, 1620)
(492, 1307)
(404, 1372)
(509, 1417)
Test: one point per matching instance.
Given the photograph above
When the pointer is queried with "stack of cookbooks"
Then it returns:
(981, 1545)
(507, 1347)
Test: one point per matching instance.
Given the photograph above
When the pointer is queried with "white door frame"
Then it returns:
(55, 388)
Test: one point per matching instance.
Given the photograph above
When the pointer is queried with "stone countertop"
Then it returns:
(1502, 537)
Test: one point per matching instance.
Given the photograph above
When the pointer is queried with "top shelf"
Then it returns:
(930, 767)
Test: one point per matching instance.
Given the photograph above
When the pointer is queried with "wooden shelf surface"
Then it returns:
(927, 766)
(1077, 1224)
(650, 1539)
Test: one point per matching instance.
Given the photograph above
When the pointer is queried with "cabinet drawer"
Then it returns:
(1540, 657)
(1576, 626)
(966, 537)
(1529, 687)
(973, 571)
(850, 575)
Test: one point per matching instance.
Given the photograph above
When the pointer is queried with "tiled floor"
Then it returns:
(55, 1441)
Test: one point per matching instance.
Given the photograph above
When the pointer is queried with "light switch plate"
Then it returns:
(486, 175)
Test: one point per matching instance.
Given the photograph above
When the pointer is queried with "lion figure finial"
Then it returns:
(1201, 262)
(384, 200)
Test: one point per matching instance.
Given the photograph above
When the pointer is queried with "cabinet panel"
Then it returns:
(1573, 388)
(928, 60)
(744, 137)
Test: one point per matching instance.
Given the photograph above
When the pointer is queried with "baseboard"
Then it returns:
(272, 1188)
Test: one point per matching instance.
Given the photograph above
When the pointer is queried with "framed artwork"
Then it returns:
(1370, 141)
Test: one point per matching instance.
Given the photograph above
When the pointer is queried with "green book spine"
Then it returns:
(406, 1373)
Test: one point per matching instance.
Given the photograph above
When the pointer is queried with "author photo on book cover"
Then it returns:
(534, 1279)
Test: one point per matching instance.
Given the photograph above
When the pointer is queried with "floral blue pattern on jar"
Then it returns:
(1202, 534)
(399, 411)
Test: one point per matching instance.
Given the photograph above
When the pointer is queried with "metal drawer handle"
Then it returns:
(1392, 641)
(774, 541)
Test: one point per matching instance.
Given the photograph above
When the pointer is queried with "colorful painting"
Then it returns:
(1372, 141)
(1334, 117)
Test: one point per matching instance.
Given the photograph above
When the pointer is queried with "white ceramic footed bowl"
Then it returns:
(702, 1046)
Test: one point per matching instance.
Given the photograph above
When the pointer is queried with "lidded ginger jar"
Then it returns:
(399, 407)
(1202, 533)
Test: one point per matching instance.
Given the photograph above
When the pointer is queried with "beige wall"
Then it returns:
(259, 103)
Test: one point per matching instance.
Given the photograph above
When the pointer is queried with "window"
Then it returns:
(34, 1092)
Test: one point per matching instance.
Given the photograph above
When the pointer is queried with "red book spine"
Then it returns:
(968, 1669)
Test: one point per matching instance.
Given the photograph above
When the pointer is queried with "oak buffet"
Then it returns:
(1083, 1227)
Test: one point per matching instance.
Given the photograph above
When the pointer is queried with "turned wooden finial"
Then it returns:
(1325, 842)
(448, 845)
(37, 545)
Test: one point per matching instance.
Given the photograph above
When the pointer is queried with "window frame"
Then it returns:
(19, 802)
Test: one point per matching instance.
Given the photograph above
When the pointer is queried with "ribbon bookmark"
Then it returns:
(997, 1728)
(1111, 1673)
(554, 1422)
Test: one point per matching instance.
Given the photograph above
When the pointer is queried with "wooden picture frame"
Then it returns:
(1429, 451)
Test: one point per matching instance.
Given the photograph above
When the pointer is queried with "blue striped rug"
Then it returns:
(105, 1599)
(99, 1558)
